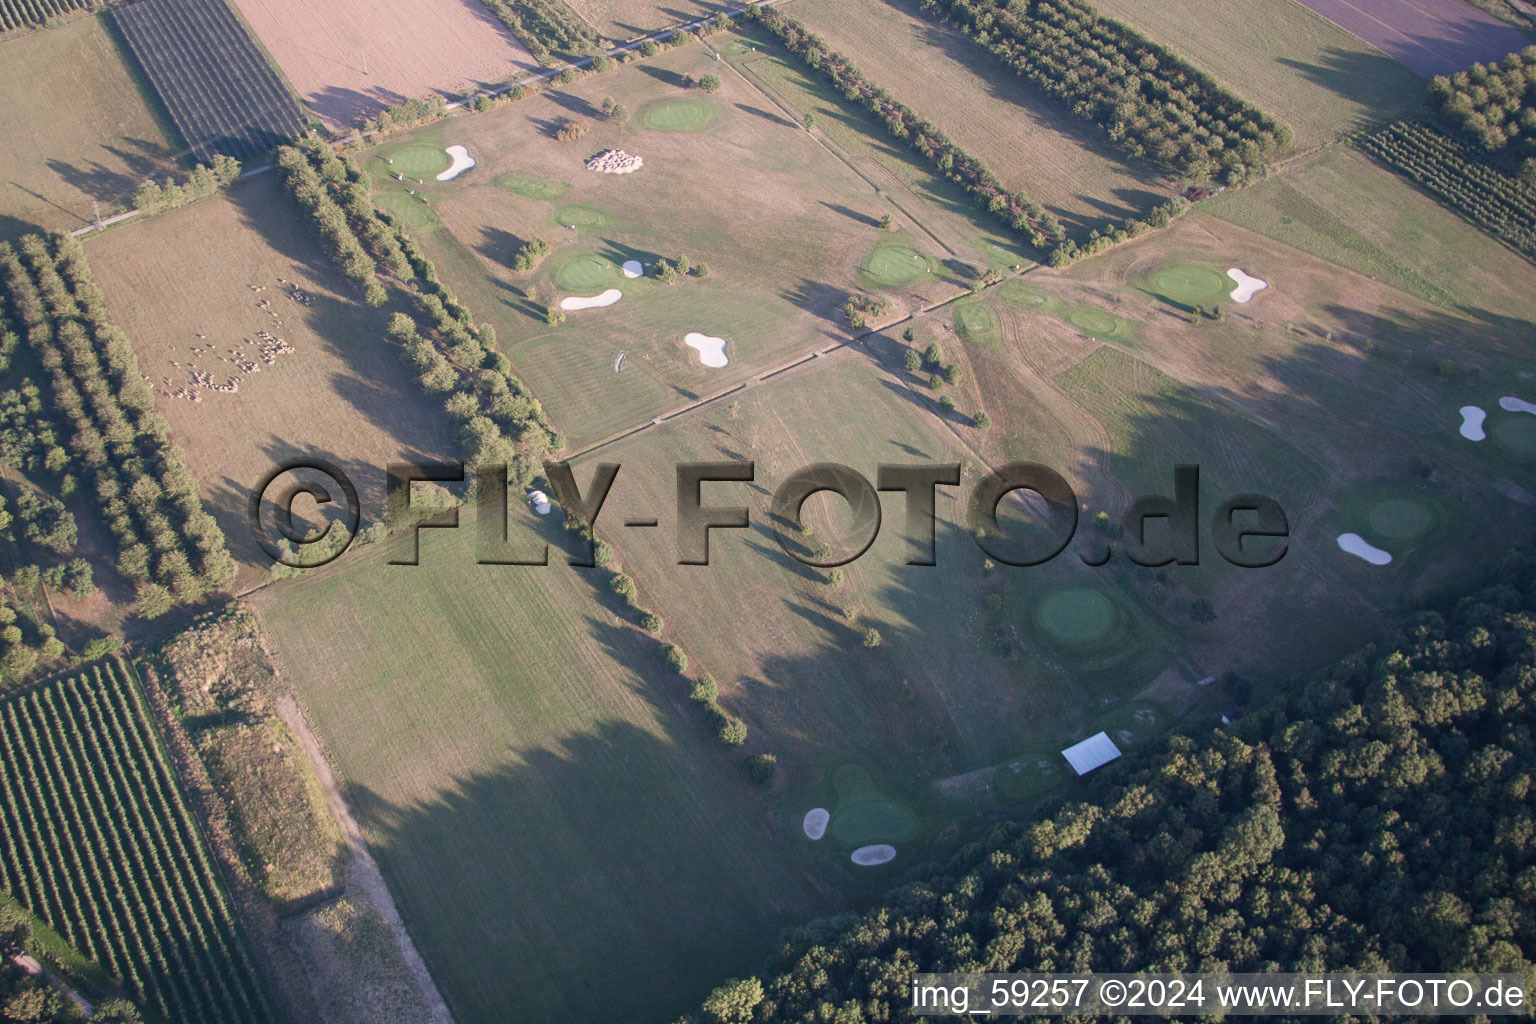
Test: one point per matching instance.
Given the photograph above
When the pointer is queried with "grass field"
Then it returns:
(1029, 143)
(623, 20)
(85, 132)
(535, 786)
(184, 286)
(1344, 207)
(1281, 57)
(785, 227)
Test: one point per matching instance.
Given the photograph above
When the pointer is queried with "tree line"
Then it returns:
(203, 181)
(546, 27)
(1494, 105)
(1148, 101)
(1010, 207)
(167, 544)
(1377, 817)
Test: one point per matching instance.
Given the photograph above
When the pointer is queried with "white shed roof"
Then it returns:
(1094, 751)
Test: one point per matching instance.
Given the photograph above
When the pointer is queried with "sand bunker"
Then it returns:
(462, 162)
(613, 161)
(633, 268)
(1361, 548)
(815, 824)
(867, 856)
(1472, 423)
(1246, 286)
(711, 350)
(1509, 403)
(608, 298)
(540, 502)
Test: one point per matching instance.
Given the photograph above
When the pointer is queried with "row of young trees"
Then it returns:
(1148, 101)
(1376, 818)
(1495, 106)
(167, 544)
(1456, 173)
(98, 844)
(546, 27)
(203, 181)
(330, 219)
(1022, 215)
(410, 114)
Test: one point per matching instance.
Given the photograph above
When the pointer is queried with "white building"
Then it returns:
(1091, 753)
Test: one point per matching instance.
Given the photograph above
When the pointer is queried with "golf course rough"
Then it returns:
(526, 185)
(1077, 615)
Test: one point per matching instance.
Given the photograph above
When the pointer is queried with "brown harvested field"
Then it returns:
(76, 129)
(1030, 144)
(623, 20)
(341, 394)
(1309, 73)
(1433, 37)
(350, 58)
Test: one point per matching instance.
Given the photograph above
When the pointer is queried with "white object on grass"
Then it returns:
(1362, 548)
(608, 298)
(540, 502)
(462, 162)
(1472, 423)
(1246, 286)
(711, 349)
(632, 268)
(868, 856)
(815, 823)
(1509, 403)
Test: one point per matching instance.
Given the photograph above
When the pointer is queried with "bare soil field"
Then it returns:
(190, 285)
(1433, 37)
(348, 59)
(78, 129)
(1016, 130)
(1276, 54)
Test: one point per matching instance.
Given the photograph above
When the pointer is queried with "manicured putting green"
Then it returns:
(526, 185)
(417, 161)
(893, 265)
(1094, 322)
(582, 216)
(1400, 518)
(678, 115)
(1185, 282)
(977, 324)
(586, 275)
(408, 211)
(870, 821)
(1078, 615)
(1517, 433)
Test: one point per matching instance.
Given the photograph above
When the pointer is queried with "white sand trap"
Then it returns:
(867, 856)
(633, 268)
(711, 350)
(540, 502)
(1509, 403)
(1361, 548)
(608, 298)
(462, 162)
(815, 823)
(618, 364)
(1246, 286)
(1472, 423)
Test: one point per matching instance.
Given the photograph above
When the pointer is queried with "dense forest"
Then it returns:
(1378, 817)
(1150, 102)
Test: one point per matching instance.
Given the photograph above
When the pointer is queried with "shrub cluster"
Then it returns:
(405, 115)
(570, 131)
(166, 542)
(860, 309)
(529, 254)
(1150, 102)
(204, 181)
(304, 182)
(26, 640)
(1495, 106)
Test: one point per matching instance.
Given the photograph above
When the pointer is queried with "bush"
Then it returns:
(947, 403)
(675, 657)
(933, 355)
(935, 382)
(953, 373)
(569, 75)
(982, 420)
(709, 83)
(911, 360)
(649, 48)
(651, 622)
(733, 733)
(572, 130)
(622, 585)
(872, 637)
(761, 768)
(602, 552)
(701, 269)
(704, 690)
(554, 315)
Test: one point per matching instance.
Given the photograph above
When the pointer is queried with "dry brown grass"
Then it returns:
(343, 394)
(1028, 142)
(350, 58)
(623, 20)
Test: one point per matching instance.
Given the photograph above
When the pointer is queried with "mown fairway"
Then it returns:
(785, 227)
(534, 784)
(1028, 142)
(1311, 74)
(82, 133)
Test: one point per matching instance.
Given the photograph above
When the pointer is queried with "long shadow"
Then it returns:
(767, 115)
(499, 245)
(852, 214)
(1342, 71)
(822, 300)
(666, 75)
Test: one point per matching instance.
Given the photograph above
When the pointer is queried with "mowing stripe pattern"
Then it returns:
(99, 844)
(212, 77)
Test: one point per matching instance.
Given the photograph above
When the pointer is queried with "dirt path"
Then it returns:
(364, 879)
